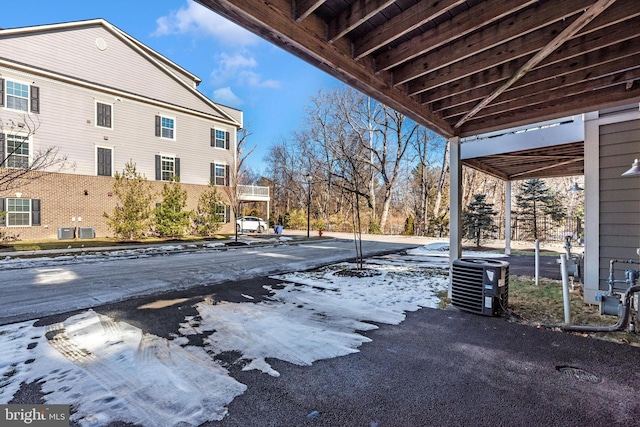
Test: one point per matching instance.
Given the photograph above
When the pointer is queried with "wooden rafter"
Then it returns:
(304, 8)
(412, 18)
(520, 27)
(461, 25)
(351, 18)
(483, 65)
(588, 16)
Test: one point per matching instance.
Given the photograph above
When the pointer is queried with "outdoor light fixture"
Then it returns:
(18, 195)
(575, 188)
(635, 169)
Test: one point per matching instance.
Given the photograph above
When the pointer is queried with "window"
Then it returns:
(17, 96)
(103, 115)
(18, 212)
(16, 152)
(220, 175)
(103, 158)
(167, 167)
(221, 213)
(219, 138)
(165, 127)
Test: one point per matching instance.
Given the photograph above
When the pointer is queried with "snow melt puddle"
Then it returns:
(109, 370)
(316, 315)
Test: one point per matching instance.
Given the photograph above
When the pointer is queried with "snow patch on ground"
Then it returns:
(112, 371)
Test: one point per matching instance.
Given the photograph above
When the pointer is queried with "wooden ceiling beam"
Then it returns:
(535, 98)
(565, 74)
(486, 168)
(519, 26)
(304, 8)
(412, 18)
(475, 18)
(475, 84)
(589, 15)
(601, 99)
(356, 15)
(272, 20)
(542, 168)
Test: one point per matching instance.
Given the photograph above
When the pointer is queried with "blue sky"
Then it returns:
(237, 68)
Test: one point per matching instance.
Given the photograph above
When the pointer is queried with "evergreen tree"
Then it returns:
(131, 216)
(171, 219)
(209, 215)
(409, 226)
(535, 203)
(477, 219)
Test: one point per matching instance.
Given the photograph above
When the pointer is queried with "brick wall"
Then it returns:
(66, 196)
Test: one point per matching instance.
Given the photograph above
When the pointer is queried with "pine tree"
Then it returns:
(208, 216)
(536, 202)
(131, 217)
(477, 219)
(170, 218)
(409, 226)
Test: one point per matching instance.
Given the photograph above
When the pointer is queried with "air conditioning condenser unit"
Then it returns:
(480, 286)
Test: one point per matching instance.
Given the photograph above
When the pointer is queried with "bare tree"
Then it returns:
(17, 164)
(235, 176)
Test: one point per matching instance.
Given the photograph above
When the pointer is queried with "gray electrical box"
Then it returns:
(86, 233)
(66, 233)
(480, 285)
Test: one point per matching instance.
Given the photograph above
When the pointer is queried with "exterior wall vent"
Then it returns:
(480, 286)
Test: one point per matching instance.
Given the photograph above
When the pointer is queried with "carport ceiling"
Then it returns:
(547, 162)
(463, 68)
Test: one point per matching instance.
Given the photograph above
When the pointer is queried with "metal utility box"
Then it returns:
(86, 233)
(66, 233)
(480, 285)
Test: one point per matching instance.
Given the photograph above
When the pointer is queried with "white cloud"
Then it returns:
(238, 68)
(249, 78)
(226, 96)
(197, 19)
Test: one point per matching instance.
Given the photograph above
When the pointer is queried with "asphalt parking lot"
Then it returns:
(437, 368)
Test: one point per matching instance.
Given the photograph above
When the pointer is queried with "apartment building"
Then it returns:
(95, 98)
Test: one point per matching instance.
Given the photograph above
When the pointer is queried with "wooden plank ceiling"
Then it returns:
(463, 68)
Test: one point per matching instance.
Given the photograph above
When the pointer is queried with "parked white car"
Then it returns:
(251, 223)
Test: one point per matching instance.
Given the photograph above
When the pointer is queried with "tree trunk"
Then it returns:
(441, 181)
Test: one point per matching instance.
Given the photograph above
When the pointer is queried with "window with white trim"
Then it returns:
(17, 96)
(220, 174)
(167, 128)
(18, 212)
(104, 159)
(168, 167)
(16, 151)
(103, 115)
(220, 213)
(221, 138)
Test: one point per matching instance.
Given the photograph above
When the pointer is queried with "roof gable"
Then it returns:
(99, 53)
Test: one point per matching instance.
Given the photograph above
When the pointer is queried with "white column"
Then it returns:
(455, 204)
(507, 218)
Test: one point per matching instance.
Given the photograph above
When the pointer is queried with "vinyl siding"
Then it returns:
(73, 52)
(67, 121)
(619, 196)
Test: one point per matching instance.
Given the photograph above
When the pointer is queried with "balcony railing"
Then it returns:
(253, 192)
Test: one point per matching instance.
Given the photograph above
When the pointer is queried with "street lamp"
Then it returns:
(308, 204)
